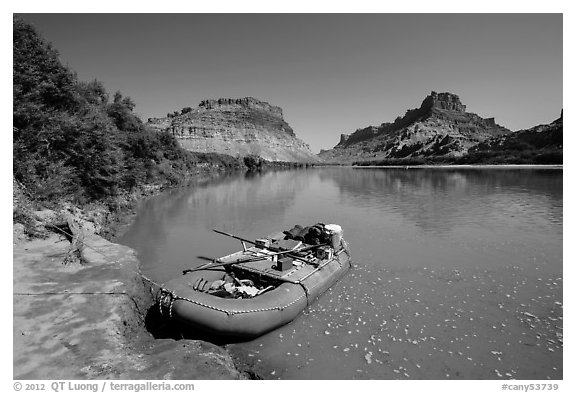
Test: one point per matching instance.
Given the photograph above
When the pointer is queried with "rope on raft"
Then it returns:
(170, 297)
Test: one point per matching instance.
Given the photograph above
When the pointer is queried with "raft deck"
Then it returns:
(267, 267)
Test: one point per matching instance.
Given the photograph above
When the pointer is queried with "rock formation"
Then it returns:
(237, 127)
(439, 127)
(541, 139)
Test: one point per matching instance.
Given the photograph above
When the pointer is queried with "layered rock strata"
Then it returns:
(237, 127)
(439, 127)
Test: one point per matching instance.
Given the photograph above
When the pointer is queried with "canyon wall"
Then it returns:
(237, 127)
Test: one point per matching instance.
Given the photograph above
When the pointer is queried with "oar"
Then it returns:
(216, 262)
(234, 236)
(219, 264)
(279, 253)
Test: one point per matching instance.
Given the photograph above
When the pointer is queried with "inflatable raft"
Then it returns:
(258, 289)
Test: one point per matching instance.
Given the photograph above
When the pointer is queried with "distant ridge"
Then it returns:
(237, 127)
(542, 144)
(439, 127)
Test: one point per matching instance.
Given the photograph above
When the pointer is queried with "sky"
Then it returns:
(330, 73)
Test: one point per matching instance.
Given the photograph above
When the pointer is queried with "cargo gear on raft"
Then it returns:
(315, 235)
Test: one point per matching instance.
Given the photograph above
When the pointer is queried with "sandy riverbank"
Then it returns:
(87, 321)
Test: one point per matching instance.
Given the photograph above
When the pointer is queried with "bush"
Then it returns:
(253, 163)
(31, 226)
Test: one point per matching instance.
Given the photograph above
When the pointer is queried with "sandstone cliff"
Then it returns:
(542, 139)
(237, 127)
(439, 127)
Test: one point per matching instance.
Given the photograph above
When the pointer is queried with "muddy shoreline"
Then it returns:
(88, 322)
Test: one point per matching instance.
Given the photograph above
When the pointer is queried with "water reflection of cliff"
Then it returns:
(437, 199)
(235, 203)
(246, 201)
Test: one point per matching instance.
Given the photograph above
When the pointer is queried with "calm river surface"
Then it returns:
(458, 272)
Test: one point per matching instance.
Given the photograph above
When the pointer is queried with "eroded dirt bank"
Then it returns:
(86, 321)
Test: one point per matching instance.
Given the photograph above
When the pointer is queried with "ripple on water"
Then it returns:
(421, 323)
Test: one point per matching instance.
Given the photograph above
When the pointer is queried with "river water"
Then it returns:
(458, 272)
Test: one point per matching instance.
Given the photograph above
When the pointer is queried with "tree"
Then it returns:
(128, 103)
(117, 97)
(40, 82)
(94, 92)
(121, 111)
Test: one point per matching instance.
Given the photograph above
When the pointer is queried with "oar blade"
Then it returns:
(223, 233)
(234, 236)
(206, 258)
